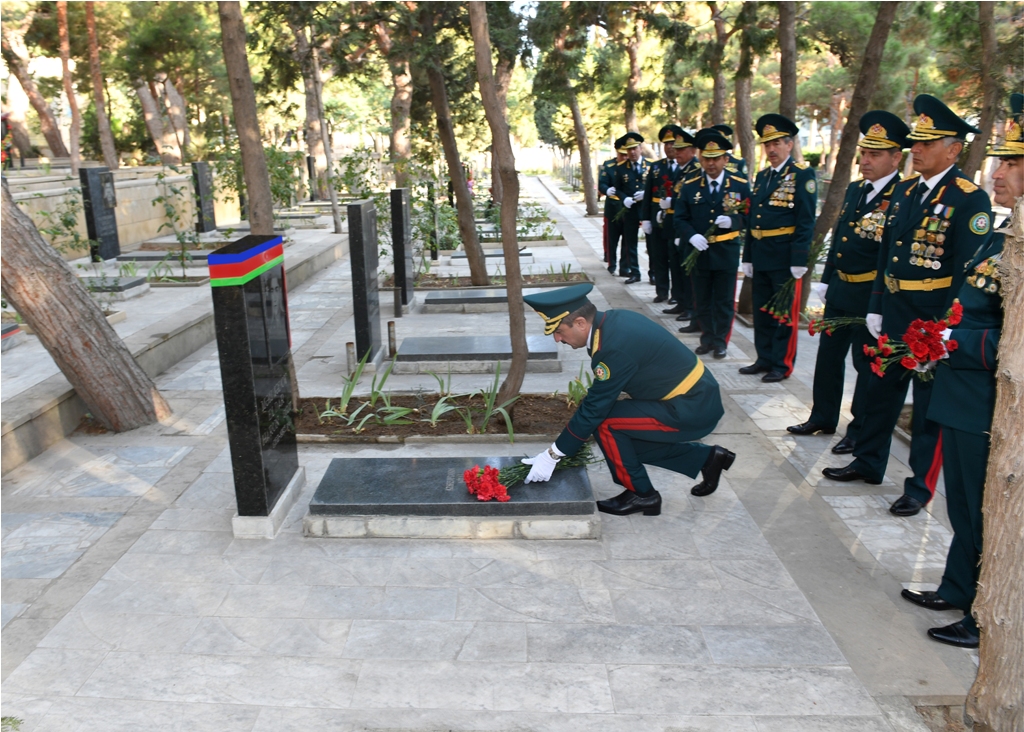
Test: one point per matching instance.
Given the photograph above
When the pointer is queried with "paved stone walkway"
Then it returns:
(771, 605)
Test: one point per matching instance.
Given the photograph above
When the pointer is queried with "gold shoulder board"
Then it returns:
(691, 180)
(802, 166)
(966, 186)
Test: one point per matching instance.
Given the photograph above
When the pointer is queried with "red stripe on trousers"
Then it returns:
(932, 478)
(637, 423)
(795, 332)
(611, 450)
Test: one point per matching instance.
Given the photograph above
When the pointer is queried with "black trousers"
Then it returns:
(658, 245)
(629, 263)
(715, 295)
(680, 287)
(775, 342)
(614, 234)
(830, 370)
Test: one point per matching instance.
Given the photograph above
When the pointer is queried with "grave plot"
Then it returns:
(473, 354)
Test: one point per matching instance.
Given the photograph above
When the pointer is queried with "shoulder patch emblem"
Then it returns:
(810, 186)
(602, 372)
(980, 223)
(967, 187)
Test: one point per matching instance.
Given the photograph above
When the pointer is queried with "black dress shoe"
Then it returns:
(631, 280)
(772, 376)
(720, 459)
(650, 280)
(809, 428)
(693, 327)
(671, 301)
(928, 599)
(719, 353)
(845, 475)
(954, 635)
(844, 446)
(629, 502)
(611, 271)
(701, 350)
(685, 315)
(906, 506)
(660, 298)
(674, 310)
(754, 368)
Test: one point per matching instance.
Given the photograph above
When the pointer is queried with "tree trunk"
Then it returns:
(314, 136)
(990, 86)
(17, 61)
(247, 124)
(634, 81)
(166, 145)
(69, 86)
(717, 75)
(445, 130)
(502, 78)
(176, 115)
(17, 103)
(501, 146)
(744, 79)
(583, 143)
(102, 120)
(400, 147)
(46, 292)
(994, 701)
(318, 84)
(787, 53)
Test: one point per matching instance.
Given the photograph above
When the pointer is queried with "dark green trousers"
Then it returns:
(658, 245)
(965, 459)
(714, 292)
(775, 342)
(614, 236)
(830, 370)
(882, 405)
(677, 290)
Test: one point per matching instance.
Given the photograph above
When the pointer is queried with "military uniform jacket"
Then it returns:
(925, 247)
(964, 394)
(660, 182)
(632, 354)
(612, 204)
(627, 181)
(696, 212)
(854, 249)
(788, 201)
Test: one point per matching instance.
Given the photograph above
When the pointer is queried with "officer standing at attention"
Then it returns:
(662, 176)
(682, 287)
(736, 166)
(964, 400)
(628, 182)
(720, 199)
(673, 401)
(850, 271)
(782, 213)
(612, 205)
(937, 221)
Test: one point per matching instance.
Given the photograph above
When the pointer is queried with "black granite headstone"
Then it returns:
(100, 201)
(401, 242)
(311, 169)
(202, 179)
(435, 487)
(362, 240)
(250, 310)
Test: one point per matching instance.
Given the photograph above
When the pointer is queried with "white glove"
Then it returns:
(628, 202)
(747, 269)
(945, 337)
(677, 242)
(543, 465)
(638, 196)
(798, 272)
(610, 191)
(723, 222)
(646, 226)
(666, 203)
(822, 288)
(660, 217)
(927, 366)
(699, 242)
(874, 324)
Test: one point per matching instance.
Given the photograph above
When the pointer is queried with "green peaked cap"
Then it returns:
(554, 305)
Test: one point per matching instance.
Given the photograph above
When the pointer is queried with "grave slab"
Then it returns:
(117, 288)
(202, 181)
(473, 348)
(525, 256)
(12, 335)
(487, 300)
(99, 199)
(197, 257)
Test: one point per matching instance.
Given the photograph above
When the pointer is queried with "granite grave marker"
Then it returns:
(363, 252)
(202, 179)
(100, 200)
(401, 242)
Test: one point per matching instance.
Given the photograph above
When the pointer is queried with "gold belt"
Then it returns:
(723, 237)
(615, 198)
(762, 233)
(927, 285)
(863, 277)
(686, 384)
(655, 199)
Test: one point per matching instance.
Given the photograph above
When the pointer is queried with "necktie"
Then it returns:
(925, 190)
(867, 194)
(714, 189)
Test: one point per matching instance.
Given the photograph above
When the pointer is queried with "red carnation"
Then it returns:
(908, 363)
(951, 346)
(956, 313)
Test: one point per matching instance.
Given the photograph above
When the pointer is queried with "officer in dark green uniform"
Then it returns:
(964, 399)
(673, 401)
(850, 270)
(612, 204)
(782, 214)
(658, 190)
(736, 166)
(682, 303)
(720, 200)
(937, 220)
(628, 181)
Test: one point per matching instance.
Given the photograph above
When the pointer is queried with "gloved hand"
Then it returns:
(927, 366)
(646, 226)
(543, 465)
(665, 203)
(874, 324)
(798, 272)
(946, 334)
(723, 222)
(638, 196)
(628, 202)
(748, 269)
(822, 288)
(677, 243)
(699, 242)
(610, 191)
(660, 217)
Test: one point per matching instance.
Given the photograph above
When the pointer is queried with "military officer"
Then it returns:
(673, 401)
(682, 287)
(736, 166)
(662, 176)
(715, 199)
(964, 399)
(612, 205)
(628, 182)
(850, 270)
(782, 215)
(937, 220)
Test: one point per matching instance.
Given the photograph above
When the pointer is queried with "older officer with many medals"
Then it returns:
(612, 204)
(661, 179)
(937, 220)
(850, 271)
(718, 201)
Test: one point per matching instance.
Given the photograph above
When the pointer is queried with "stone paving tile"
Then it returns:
(771, 645)
(116, 715)
(44, 545)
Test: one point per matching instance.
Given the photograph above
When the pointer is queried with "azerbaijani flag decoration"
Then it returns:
(245, 259)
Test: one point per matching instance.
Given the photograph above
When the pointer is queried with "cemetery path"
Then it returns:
(772, 604)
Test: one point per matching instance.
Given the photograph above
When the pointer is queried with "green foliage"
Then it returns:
(60, 225)
(283, 166)
(10, 724)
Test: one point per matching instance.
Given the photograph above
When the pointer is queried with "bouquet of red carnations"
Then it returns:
(488, 482)
(922, 346)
